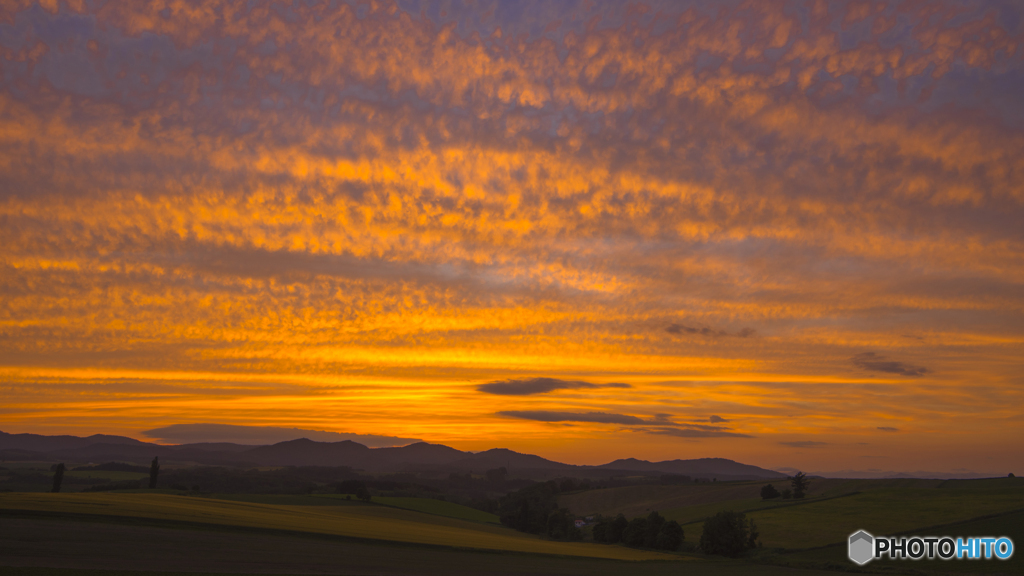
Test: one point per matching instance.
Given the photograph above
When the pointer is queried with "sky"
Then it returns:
(786, 233)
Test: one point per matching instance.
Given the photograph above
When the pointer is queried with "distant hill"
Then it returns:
(305, 452)
(513, 461)
(420, 457)
(420, 453)
(721, 468)
(40, 443)
(215, 447)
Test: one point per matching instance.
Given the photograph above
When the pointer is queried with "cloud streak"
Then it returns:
(660, 424)
(877, 363)
(530, 386)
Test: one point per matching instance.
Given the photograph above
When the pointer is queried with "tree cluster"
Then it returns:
(728, 534)
(356, 488)
(528, 509)
(111, 467)
(651, 532)
(534, 509)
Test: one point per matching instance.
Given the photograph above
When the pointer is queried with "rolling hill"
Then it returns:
(417, 457)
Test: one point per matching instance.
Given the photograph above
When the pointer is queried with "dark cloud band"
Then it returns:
(540, 386)
(877, 363)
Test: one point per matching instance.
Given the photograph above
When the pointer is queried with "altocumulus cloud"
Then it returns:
(530, 386)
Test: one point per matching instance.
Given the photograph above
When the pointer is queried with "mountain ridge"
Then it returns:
(415, 457)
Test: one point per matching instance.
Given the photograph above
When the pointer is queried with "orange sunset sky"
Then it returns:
(786, 233)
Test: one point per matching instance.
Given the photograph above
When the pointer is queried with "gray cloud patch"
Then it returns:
(804, 444)
(595, 417)
(540, 386)
(257, 435)
(680, 329)
(695, 433)
(716, 419)
(888, 429)
(660, 424)
(877, 363)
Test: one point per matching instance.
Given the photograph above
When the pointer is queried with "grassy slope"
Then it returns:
(884, 511)
(368, 522)
(433, 506)
(1011, 525)
(834, 508)
(106, 475)
(63, 547)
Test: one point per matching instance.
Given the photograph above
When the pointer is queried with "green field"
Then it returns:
(1011, 524)
(105, 475)
(363, 522)
(887, 511)
(36, 546)
(833, 509)
(430, 506)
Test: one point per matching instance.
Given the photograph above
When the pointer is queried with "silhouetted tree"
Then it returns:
(768, 492)
(670, 536)
(154, 471)
(58, 477)
(356, 487)
(752, 535)
(562, 525)
(497, 474)
(635, 533)
(725, 534)
(787, 493)
(618, 527)
(653, 528)
(800, 484)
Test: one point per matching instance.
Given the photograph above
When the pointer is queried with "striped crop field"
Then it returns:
(432, 506)
(887, 511)
(368, 522)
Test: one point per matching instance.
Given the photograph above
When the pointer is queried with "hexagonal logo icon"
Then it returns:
(861, 547)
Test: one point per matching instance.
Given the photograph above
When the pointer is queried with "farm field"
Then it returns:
(1011, 524)
(62, 547)
(429, 506)
(362, 522)
(425, 505)
(833, 509)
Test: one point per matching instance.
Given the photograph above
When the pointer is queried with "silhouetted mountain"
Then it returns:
(418, 457)
(513, 461)
(15, 455)
(40, 443)
(214, 447)
(103, 452)
(721, 468)
(305, 452)
(420, 453)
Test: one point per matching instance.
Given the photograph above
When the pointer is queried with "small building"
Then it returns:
(580, 522)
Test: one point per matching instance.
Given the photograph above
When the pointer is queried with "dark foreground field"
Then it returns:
(62, 547)
(139, 532)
